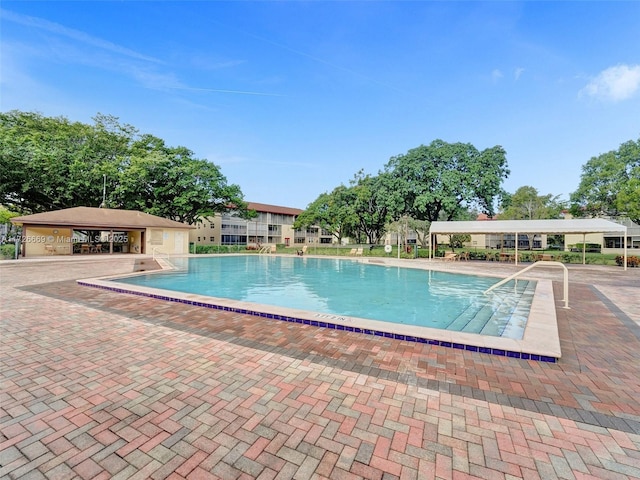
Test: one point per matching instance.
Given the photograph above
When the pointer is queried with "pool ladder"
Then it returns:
(266, 249)
(543, 263)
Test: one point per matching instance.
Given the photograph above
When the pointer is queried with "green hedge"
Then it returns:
(8, 251)
(204, 249)
(378, 251)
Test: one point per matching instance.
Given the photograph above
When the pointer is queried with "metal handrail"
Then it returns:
(159, 255)
(155, 250)
(543, 263)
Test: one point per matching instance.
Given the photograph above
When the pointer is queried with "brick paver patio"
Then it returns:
(97, 384)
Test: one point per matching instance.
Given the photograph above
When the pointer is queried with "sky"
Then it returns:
(292, 98)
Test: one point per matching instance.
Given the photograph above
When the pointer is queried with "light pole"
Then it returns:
(104, 191)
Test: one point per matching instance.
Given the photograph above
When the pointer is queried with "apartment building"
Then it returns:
(272, 226)
(610, 242)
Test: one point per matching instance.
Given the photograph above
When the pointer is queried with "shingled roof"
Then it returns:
(263, 207)
(98, 218)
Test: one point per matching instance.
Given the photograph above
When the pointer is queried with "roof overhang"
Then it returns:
(557, 227)
(549, 227)
(99, 218)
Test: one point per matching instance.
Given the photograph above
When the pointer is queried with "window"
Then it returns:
(211, 225)
(232, 228)
(212, 239)
(233, 239)
(613, 242)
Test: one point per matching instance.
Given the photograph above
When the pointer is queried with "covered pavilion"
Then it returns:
(549, 227)
(84, 230)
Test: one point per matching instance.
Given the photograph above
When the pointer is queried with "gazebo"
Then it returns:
(549, 227)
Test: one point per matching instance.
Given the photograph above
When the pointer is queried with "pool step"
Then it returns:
(482, 319)
(517, 309)
(478, 322)
(461, 322)
(520, 314)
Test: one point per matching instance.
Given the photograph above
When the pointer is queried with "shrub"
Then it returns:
(7, 252)
(567, 257)
(632, 261)
(528, 257)
(588, 247)
(477, 255)
(217, 248)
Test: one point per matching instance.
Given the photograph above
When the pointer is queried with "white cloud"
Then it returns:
(615, 83)
(78, 36)
(84, 49)
(496, 75)
(518, 72)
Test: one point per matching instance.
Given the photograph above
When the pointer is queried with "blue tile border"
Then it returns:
(335, 326)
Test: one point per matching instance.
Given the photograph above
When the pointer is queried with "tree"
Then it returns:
(421, 229)
(610, 184)
(457, 240)
(5, 219)
(437, 181)
(371, 206)
(169, 182)
(628, 200)
(526, 204)
(51, 163)
(333, 212)
(47, 163)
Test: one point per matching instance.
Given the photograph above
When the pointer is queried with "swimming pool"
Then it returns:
(539, 332)
(343, 287)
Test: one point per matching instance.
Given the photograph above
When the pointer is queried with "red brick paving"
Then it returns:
(103, 385)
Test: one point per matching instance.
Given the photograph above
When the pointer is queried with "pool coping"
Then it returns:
(540, 341)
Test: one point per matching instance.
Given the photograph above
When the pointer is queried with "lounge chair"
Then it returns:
(303, 251)
(450, 257)
(359, 252)
(353, 251)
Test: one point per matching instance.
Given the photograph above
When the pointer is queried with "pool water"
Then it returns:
(357, 289)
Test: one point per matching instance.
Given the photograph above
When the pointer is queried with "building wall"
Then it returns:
(608, 243)
(167, 240)
(135, 242)
(611, 243)
(37, 240)
(266, 229)
(570, 240)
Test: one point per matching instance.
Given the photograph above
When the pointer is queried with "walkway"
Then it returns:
(103, 385)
